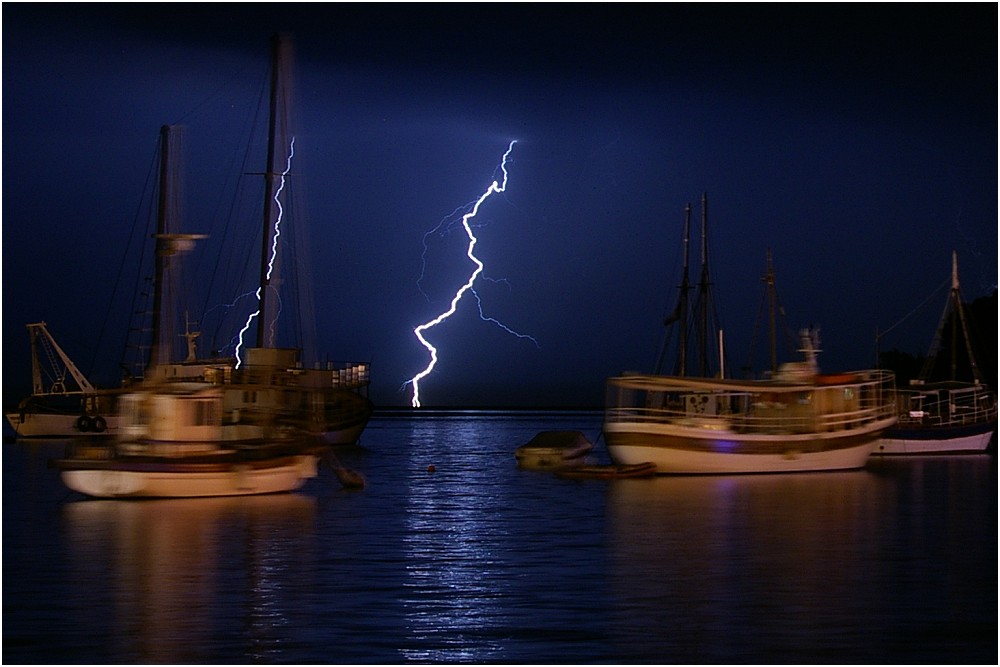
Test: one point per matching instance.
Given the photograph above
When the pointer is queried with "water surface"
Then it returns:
(479, 561)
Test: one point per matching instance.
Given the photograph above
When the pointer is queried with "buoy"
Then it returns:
(431, 468)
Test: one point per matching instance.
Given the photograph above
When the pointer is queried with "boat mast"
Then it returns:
(956, 297)
(269, 178)
(158, 350)
(168, 244)
(703, 286)
(679, 315)
(769, 280)
(954, 305)
(682, 304)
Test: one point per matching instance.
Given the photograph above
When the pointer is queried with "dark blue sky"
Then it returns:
(856, 141)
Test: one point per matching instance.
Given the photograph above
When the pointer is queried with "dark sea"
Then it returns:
(479, 561)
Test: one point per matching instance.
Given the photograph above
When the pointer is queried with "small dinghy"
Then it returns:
(553, 450)
(609, 471)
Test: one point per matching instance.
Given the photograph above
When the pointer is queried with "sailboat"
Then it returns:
(63, 402)
(944, 416)
(256, 423)
(797, 419)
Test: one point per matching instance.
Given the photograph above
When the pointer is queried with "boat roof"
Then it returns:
(944, 384)
(176, 388)
(661, 382)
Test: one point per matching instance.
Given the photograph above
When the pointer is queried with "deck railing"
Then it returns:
(760, 409)
(946, 406)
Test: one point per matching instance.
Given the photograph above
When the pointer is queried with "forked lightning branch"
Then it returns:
(494, 188)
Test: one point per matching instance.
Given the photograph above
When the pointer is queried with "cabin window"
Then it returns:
(204, 413)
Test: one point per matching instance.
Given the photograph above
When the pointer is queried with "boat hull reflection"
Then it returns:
(708, 551)
(167, 564)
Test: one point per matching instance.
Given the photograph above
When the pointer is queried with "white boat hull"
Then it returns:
(51, 425)
(171, 480)
(692, 451)
(974, 443)
(942, 418)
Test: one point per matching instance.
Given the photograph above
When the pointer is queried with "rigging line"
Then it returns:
(931, 358)
(965, 320)
(121, 270)
(211, 95)
(661, 357)
(671, 320)
(236, 173)
(756, 328)
(790, 335)
(918, 308)
(250, 131)
(274, 257)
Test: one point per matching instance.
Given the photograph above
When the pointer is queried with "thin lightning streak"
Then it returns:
(497, 322)
(225, 307)
(447, 222)
(274, 248)
(419, 331)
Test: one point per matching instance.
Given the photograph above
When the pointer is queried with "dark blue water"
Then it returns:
(481, 562)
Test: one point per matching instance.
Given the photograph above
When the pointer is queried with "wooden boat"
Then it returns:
(612, 471)
(942, 417)
(945, 416)
(692, 425)
(259, 423)
(63, 402)
(178, 440)
(231, 476)
(795, 420)
(553, 449)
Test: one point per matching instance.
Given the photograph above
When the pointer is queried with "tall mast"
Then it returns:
(956, 304)
(682, 303)
(168, 244)
(956, 295)
(158, 350)
(954, 307)
(703, 288)
(769, 280)
(269, 179)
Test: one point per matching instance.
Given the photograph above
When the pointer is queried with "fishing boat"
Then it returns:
(175, 443)
(794, 420)
(63, 402)
(787, 424)
(257, 423)
(553, 449)
(947, 415)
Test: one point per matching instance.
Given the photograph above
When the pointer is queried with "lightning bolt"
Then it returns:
(467, 287)
(274, 248)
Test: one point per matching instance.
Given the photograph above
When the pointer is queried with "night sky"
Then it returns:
(857, 142)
